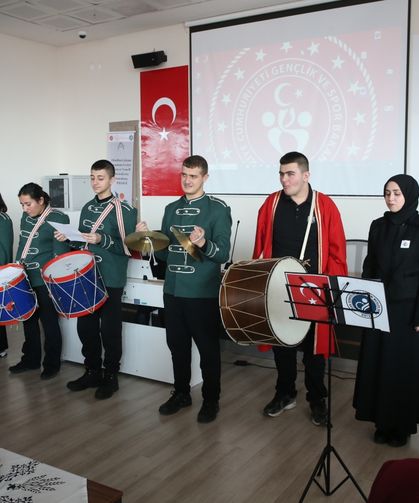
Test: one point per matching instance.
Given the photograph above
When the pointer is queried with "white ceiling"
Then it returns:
(58, 22)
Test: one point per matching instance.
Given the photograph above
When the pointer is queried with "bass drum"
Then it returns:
(254, 303)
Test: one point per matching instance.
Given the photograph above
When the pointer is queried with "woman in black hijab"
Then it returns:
(387, 381)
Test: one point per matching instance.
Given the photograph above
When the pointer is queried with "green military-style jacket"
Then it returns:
(43, 247)
(6, 239)
(110, 254)
(185, 276)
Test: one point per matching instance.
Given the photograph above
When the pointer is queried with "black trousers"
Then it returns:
(199, 320)
(101, 331)
(3, 339)
(48, 316)
(314, 367)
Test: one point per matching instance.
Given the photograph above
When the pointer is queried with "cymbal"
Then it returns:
(190, 248)
(146, 241)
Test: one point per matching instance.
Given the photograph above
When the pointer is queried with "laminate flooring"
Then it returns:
(241, 457)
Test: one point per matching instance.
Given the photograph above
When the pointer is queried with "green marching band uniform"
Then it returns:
(214, 216)
(43, 248)
(109, 253)
(100, 332)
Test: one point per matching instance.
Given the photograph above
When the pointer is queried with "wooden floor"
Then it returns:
(242, 457)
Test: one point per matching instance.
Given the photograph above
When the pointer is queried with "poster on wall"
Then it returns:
(121, 155)
(164, 116)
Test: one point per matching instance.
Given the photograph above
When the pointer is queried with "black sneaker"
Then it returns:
(176, 402)
(90, 379)
(208, 411)
(380, 437)
(48, 374)
(21, 367)
(108, 386)
(278, 404)
(397, 440)
(319, 413)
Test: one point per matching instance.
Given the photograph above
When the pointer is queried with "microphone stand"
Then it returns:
(230, 262)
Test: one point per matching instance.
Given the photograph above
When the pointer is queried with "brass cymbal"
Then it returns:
(146, 241)
(190, 248)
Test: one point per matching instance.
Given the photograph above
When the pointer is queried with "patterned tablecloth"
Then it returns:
(25, 480)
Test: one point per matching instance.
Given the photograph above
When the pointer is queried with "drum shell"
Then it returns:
(17, 298)
(77, 291)
(255, 309)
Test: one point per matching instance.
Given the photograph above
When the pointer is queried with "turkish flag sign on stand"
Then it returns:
(164, 129)
(308, 296)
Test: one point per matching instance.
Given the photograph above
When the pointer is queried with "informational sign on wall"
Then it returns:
(121, 155)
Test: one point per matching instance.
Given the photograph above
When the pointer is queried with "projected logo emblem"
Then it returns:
(264, 103)
(361, 306)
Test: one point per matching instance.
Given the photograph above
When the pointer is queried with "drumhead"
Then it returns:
(67, 264)
(288, 332)
(9, 272)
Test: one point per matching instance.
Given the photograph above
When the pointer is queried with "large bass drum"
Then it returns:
(253, 303)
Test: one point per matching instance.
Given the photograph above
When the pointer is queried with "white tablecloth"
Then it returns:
(25, 480)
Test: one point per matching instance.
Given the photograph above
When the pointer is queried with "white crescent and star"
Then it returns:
(310, 287)
(160, 103)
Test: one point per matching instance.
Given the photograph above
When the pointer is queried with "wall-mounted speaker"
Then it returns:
(148, 59)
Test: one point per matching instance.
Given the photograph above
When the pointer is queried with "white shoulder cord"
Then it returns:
(310, 217)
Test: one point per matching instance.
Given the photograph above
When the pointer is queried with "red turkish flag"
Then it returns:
(164, 129)
(308, 295)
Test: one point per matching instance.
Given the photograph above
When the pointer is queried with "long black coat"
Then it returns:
(387, 382)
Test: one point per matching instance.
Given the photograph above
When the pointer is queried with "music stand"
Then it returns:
(323, 308)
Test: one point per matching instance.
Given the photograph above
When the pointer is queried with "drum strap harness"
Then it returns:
(310, 218)
(38, 224)
(114, 202)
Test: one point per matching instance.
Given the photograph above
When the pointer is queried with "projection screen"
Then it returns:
(331, 83)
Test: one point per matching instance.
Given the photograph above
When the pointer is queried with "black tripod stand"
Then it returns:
(323, 465)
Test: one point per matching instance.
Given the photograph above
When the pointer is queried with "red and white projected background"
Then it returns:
(331, 84)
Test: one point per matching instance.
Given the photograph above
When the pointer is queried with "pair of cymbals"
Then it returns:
(147, 241)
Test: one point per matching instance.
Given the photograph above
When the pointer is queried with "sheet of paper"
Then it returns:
(69, 231)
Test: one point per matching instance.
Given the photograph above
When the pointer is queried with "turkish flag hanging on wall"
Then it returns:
(164, 116)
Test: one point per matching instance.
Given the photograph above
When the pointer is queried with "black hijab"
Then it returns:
(410, 190)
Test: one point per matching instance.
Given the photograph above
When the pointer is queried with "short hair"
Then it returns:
(104, 164)
(297, 157)
(34, 191)
(196, 161)
(3, 207)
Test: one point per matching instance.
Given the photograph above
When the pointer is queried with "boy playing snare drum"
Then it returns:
(104, 223)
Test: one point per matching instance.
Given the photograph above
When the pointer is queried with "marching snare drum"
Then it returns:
(253, 305)
(17, 299)
(74, 283)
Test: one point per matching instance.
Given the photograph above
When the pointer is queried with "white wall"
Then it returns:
(56, 104)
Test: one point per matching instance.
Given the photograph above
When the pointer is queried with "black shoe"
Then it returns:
(21, 367)
(208, 411)
(380, 437)
(48, 374)
(278, 404)
(397, 440)
(108, 386)
(319, 413)
(90, 379)
(176, 402)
